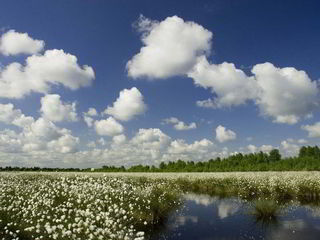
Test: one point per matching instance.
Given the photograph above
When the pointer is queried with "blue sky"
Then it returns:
(168, 80)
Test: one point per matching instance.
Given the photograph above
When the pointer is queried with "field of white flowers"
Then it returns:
(126, 205)
(58, 206)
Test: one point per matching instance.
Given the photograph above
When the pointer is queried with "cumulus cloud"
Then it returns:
(128, 105)
(9, 115)
(289, 149)
(266, 148)
(44, 144)
(252, 148)
(152, 146)
(88, 120)
(44, 135)
(231, 85)
(64, 144)
(9, 141)
(224, 135)
(180, 146)
(179, 125)
(35, 136)
(13, 43)
(171, 47)
(53, 109)
(145, 147)
(119, 139)
(151, 138)
(41, 72)
(313, 130)
(88, 116)
(92, 112)
(263, 148)
(108, 127)
(286, 94)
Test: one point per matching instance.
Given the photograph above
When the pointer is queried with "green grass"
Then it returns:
(265, 211)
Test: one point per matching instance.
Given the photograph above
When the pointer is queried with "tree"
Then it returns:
(274, 155)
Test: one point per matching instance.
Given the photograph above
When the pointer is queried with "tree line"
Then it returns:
(308, 159)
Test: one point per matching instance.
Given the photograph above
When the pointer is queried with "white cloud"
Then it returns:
(101, 141)
(88, 120)
(182, 126)
(313, 130)
(43, 135)
(224, 135)
(44, 129)
(119, 139)
(9, 115)
(152, 146)
(302, 141)
(42, 143)
(108, 127)
(286, 94)
(41, 72)
(171, 48)
(88, 116)
(208, 103)
(64, 144)
(252, 148)
(231, 85)
(13, 43)
(53, 109)
(9, 141)
(151, 138)
(289, 149)
(179, 125)
(35, 136)
(128, 105)
(92, 112)
(180, 146)
(264, 148)
(172, 120)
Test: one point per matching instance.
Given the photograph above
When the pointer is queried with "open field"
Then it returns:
(126, 205)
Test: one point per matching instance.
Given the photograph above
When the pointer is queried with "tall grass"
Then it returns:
(265, 211)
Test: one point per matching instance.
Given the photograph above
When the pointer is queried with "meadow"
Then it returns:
(131, 205)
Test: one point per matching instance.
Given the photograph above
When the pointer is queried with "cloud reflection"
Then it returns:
(227, 208)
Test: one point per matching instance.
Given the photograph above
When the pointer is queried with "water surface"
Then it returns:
(210, 218)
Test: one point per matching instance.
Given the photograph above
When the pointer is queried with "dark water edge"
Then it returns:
(211, 218)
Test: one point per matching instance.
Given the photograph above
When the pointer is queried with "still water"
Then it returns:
(209, 218)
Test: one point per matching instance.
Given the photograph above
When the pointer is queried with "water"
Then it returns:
(209, 218)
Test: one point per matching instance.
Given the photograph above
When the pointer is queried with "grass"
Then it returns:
(135, 202)
(266, 212)
(82, 207)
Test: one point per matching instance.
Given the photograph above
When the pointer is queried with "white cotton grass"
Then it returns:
(58, 206)
(99, 206)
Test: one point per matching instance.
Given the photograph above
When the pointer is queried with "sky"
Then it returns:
(92, 83)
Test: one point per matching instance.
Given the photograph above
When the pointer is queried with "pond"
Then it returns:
(211, 218)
